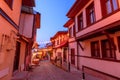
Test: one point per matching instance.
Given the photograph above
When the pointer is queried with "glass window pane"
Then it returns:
(108, 53)
(95, 49)
(115, 5)
(80, 22)
(108, 6)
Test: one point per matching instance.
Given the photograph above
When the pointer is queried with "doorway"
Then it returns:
(17, 56)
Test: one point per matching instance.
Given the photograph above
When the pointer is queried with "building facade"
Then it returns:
(29, 23)
(12, 45)
(72, 58)
(60, 48)
(97, 32)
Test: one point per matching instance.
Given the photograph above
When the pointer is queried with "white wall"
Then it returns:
(26, 25)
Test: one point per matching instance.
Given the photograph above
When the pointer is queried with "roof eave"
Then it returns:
(78, 5)
(30, 3)
(68, 23)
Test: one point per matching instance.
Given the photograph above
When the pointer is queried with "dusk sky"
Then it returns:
(53, 17)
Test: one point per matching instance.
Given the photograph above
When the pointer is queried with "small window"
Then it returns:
(73, 56)
(65, 54)
(108, 52)
(70, 32)
(109, 6)
(80, 22)
(115, 4)
(118, 39)
(73, 30)
(90, 14)
(9, 2)
(95, 49)
(58, 42)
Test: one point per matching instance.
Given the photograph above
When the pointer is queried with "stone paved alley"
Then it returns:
(48, 71)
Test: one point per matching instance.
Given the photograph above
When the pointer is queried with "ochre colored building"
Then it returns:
(60, 48)
(14, 45)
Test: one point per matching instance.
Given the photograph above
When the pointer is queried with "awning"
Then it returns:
(63, 44)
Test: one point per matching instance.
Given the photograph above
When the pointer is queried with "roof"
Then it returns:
(30, 3)
(63, 44)
(58, 33)
(68, 23)
(77, 6)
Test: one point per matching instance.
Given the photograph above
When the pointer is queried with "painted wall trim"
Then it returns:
(117, 78)
(8, 19)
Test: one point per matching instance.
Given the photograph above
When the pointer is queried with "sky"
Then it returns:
(53, 17)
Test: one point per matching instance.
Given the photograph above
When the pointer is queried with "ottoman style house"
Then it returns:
(16, 40)
(94, 43)
(60, 48)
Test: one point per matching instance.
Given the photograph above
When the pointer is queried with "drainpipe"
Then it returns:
(83, 74)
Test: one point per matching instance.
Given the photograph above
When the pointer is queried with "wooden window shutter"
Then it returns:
(103, 7)
(37, 20)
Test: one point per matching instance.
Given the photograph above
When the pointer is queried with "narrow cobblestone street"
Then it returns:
(48, 71)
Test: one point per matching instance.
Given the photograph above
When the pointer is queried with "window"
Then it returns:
(58, 42)
(90, 14)
(73, 30)
(80, 22)
(109, 6)
(118, 39)
(95, 49)
(73, 56)
(65, 54)
(108, 51)
(70, 32)
(9, 2)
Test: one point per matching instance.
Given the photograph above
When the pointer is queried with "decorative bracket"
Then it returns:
(110, 39)
(80, 45)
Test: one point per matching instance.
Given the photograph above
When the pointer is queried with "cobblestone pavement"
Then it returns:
(48, 71)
